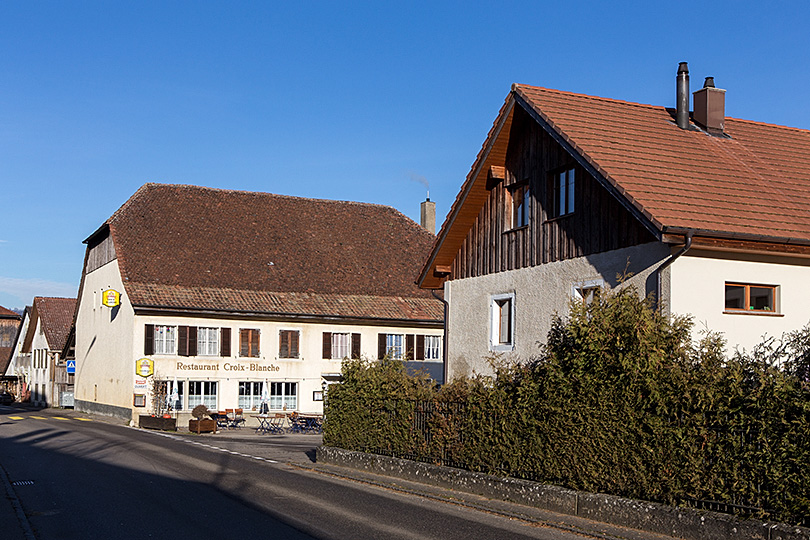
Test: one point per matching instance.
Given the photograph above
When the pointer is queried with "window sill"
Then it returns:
(502, 348)
(557, 218)
(752, 312)
(515, 229)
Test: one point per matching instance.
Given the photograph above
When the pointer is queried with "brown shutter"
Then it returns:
(355, 345)
(182, 340)
(283, 348)
(381, 349)
(420, 348)
(409, 339)
(224, 341)
(327, 345)
(254, 343)
(294, 343)
(149, 339)
(192, 341)
(244, 342)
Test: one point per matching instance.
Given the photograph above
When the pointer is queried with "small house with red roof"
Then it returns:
(242, 299)
(572, 193)
(38, 364)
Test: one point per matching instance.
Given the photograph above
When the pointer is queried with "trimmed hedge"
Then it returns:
(619, 400)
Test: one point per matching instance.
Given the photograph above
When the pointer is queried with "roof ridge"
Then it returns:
(589, 96)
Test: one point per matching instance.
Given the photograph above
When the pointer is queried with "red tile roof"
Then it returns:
(751, 184)
(56, 315)
(8, 314)
(199, 248)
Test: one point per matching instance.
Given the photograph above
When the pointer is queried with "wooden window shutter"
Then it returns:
(283, 345)
(355, 345)
(294, 343)
(381, 348)
(182, 341)
(149, 339)
(254, 343)
(420, 347)
(192, 341)
(409, 341)
(224, 341)
(327, 346)
(244, 342)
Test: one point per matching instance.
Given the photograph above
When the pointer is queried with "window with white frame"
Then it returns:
(202, 393)
(394, 345)
(341, 346)
(433, 347)
(250, 395)
(502, 315)
(208, 341)
(587, 291)
(165, 339)
(562, 194)
(166, 389)
(283, 395)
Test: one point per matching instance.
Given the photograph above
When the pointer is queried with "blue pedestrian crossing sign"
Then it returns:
(71, 366)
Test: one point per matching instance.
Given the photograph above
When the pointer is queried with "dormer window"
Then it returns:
(562, 194)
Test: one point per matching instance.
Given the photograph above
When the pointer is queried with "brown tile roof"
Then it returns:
(200, 248)
(752, 184)
(56, 315)
(8, 314)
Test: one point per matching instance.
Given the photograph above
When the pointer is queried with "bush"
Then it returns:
(619, 400)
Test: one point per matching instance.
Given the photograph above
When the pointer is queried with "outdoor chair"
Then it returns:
(238, 420)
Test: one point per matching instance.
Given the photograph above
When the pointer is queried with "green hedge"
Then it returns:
(619, 400)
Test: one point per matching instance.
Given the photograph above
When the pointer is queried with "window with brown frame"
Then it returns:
(748, 297)
(288, 344)
(518, 211)
(249, 342)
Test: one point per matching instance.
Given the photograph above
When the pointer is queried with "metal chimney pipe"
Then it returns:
(682, 97)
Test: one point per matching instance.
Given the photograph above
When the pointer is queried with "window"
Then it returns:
(341, 346)
(288, 344)
(587, 291)
(562, 194)
(207, 341)
(745, 297)
(165, 339)
(250, 395)
(393, 345)
(433, 347)
(283, 395)
(164, 393)
(502, 336)
(202, 392)
(249, 343)
(519, 197)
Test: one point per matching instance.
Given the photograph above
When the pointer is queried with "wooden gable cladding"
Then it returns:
(599, 222)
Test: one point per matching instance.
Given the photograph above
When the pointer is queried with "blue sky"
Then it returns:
(351, 101)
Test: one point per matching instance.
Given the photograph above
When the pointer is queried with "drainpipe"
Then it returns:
(444, 337)
(668, 262)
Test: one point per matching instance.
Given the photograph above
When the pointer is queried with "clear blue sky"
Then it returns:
(352, 101)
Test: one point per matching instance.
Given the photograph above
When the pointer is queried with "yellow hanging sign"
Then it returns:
(110, 298)
(144, 367)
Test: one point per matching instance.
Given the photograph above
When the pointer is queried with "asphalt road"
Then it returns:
(76, 477)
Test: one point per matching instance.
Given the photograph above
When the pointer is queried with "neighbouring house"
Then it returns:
(19, 364)
(9, 326)
(38, 363)
(571, 193)
(226, 293)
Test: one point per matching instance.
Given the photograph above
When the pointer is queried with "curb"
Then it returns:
(686, 523)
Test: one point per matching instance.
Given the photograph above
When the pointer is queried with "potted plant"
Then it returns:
(160, 417)
(199, 423)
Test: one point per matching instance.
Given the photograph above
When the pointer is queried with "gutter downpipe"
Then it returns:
(668, 262)
(444, 334)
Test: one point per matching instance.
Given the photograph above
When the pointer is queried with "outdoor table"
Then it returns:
(269, 423)
(308, 423)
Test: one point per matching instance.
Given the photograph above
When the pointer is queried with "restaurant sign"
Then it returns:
(144, 367)
(110, 298)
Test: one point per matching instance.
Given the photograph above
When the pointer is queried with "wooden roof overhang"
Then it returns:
(474, 192)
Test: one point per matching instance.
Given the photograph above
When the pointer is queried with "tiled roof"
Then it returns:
(191, 247)
(755, 182)
(8, 314)
(751, 183)
(56, 315)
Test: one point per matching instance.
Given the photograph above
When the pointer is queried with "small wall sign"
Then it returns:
(144, 367)
(110, 298)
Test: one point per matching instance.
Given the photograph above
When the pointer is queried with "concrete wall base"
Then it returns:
(103, 409)
(684, 523)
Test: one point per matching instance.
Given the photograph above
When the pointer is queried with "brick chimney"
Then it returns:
(710, 107)
(428, 215)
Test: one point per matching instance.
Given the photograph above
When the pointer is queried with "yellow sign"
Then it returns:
(110, 298)
(144, 367)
